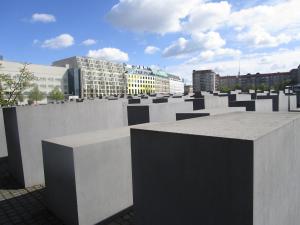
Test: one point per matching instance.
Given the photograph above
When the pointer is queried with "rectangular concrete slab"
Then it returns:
(275, 100)
(88, 175)
(284, 102)
(198, 103)
(208, 112)
(162, 112)
(204, 169)
(243, 97)
(27, 126)
(3, 147)
(212, 101)
(264, 105)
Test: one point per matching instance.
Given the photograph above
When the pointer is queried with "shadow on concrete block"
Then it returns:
(198, 103)
(202, 170)
(138, 115)
(185, 116)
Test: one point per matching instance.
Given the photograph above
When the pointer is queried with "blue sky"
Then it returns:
(176, 35)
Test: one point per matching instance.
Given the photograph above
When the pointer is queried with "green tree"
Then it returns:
(282, 85)
(225, 89)
(36, 95)
(262, 87)
(12, 87)
(56, 94)
(237, 87)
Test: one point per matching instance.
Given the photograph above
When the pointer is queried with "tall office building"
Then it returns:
(46, 77)
(204, 80)
(89, 77)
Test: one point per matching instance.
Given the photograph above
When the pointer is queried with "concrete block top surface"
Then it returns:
(155, 104)
(216, 111)
(87, 138)
(93, 137)
(236, 125)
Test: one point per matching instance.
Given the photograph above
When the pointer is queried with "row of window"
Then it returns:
(140, 81)
(142, 86)
(139, 77)
(90, 61)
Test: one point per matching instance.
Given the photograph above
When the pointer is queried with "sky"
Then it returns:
(175, 35)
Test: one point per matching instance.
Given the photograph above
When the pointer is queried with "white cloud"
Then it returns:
(199, 41)
(210, 55)
(169, 15)
(258, 37)
(151, 16)
(207, 17)
(268, 25)
(43, 18)
(150, 50)
(210, 40)
(276, 61)
(181, 46)
(203, 26)
(283, 15)
(35, 41)
(111, 54)
(61, 41)
(89, 42)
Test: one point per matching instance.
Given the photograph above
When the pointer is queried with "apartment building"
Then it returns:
(89, 77)
(46, 77)
(268, 80)
(140, 80)
(204, 80)
(176, 84)
(162, 82)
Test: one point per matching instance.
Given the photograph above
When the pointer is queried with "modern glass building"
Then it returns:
(91, 77)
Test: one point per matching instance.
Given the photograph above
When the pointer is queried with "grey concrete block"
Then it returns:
(166, 112)
(243, 97)
(163, 112)
(160, 100)
(198, 103)
(284, 102)
(33, 124)
(3, 147)
(250, 105)
(208, 112)
(138, 114)
(264, 105)
(215, 102)
(218, 175)
(88, 176)
(185, 116)
(275, 100)
(134, 101)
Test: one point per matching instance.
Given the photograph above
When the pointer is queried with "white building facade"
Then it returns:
(176, 84)
(46, 77)
(91, 77)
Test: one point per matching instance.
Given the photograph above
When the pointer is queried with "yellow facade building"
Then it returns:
(140, 80)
